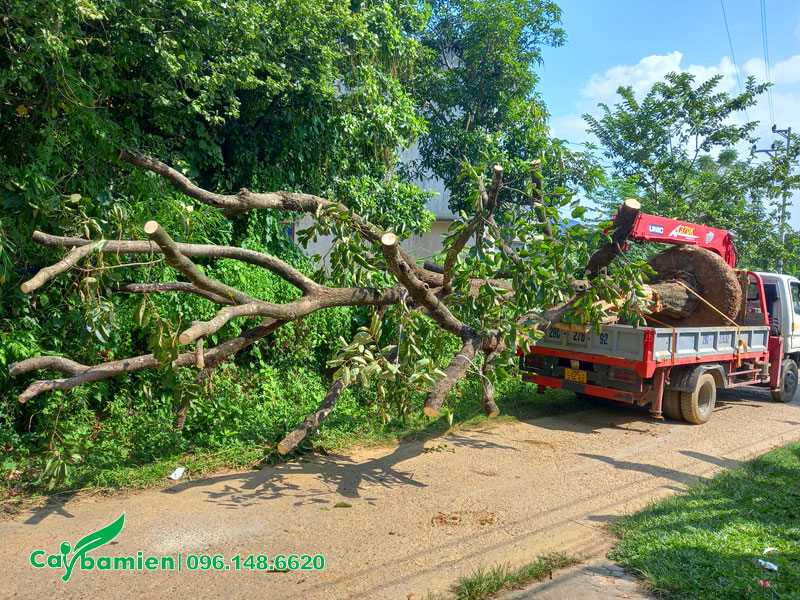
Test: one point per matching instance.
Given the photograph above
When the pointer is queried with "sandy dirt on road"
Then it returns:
(422, 513)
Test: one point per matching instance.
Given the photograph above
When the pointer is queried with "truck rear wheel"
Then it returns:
(671, 405)
(697, 406)
(788, 382)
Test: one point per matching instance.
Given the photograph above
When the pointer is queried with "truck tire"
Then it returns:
(671, 405)
(788, 382)
(697, 406)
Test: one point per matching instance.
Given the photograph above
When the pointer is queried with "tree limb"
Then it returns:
(453, 372)
(80, 374)
(181, 263)
(420, 291)
(314, 420)
(65, 264)
(623, 225)
(171, 286)
(277, 266)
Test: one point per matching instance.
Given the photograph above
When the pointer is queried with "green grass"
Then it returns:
(706, 543)
(486, 583)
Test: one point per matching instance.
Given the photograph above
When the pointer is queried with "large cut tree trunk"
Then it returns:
(708, 275)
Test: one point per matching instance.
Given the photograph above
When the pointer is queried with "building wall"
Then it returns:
(419, 246)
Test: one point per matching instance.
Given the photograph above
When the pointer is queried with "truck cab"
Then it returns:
(782, 295)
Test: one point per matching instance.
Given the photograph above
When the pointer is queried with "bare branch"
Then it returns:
(199, 350)
(171, 286)
(245, 200)
(623, 225)
(204, 328)
(80, 374)
(453, 372)
(53, 363)
(65, 264)
(178, 261)
(277, 266)
(325, 297)
(490, 408)
(420, 291)
(313, 421)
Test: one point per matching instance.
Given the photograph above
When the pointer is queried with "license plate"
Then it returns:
(575, 375)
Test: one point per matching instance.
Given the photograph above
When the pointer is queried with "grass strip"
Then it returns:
(707, 542)
(486, 583)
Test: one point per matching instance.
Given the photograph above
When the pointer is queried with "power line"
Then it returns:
(733, 56)
(765, 43)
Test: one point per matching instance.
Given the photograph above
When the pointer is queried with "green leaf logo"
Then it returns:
(90, 542)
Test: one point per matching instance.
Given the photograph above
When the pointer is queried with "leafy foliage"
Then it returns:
(476, 85)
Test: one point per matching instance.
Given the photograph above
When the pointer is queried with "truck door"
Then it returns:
(794, 334)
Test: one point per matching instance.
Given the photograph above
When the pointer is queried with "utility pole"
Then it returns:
(787, 134)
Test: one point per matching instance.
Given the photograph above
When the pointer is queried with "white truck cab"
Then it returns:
(782, 295)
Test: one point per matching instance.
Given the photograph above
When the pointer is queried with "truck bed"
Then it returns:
(631, 343)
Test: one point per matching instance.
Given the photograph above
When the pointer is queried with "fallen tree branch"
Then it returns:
(171, 286)
(488, 404)
(314, 420)
(453, 372)
(80, 374)
(65, 264)
(181, 263)
(277, 266)
(420, 291)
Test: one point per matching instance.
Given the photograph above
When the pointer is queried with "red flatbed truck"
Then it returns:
(677, 370)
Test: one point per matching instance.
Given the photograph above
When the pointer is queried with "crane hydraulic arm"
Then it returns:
(650, 228)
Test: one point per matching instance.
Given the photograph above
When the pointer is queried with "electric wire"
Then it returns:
(733, 56)
(765, 43)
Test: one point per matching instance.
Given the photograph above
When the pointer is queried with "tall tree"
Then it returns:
(677, 150)
(477, 89)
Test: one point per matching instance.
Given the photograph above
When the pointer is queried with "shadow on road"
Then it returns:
(654, 470)
(337, 475)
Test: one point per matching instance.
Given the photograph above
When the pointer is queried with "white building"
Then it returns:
(419, 246)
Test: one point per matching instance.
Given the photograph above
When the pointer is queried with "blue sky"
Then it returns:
(628, 42)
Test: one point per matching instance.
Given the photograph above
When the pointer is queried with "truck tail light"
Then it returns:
(623, 376)
(536, 362)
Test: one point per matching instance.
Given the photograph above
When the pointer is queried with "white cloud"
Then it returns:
(787, 71)
(571, 127)
(602, 87)
(641, 77)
